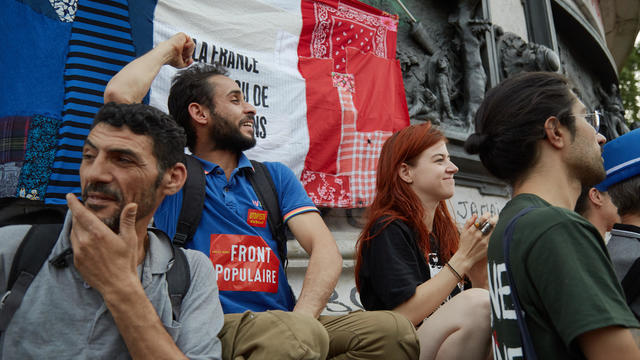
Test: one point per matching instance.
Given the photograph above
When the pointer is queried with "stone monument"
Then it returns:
(450, 54)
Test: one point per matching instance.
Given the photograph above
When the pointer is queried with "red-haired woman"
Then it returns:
(410, 257)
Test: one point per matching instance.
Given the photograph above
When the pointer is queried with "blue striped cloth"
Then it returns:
(100, 45)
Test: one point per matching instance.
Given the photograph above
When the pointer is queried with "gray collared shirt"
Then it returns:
(61, 317)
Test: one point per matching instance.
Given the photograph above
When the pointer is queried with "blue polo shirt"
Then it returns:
(235, 235)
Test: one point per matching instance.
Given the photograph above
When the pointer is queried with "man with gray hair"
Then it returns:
(622, 164)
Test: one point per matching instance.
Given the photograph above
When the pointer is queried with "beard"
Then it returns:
(145, 203)
(225, 135)
(589, 170)
(591, 175)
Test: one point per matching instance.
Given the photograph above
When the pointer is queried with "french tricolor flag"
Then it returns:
(322, 75)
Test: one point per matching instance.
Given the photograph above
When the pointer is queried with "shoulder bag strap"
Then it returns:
(193, 194)
(29, 258)
(527, 343)
(178, 276)
(265, 189)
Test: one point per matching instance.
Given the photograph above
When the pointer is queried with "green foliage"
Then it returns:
(629, 89)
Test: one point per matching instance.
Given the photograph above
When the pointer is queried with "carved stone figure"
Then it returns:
(470, 30)
(443, 88)
(429, 107)
(421, 101)
(612, 122)
(413, 76)
(516, 55)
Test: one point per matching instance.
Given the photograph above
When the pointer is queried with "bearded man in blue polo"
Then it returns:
(262, 318)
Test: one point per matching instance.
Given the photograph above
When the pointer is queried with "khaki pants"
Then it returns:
(288, 335)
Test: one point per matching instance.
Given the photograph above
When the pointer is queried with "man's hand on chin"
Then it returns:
(107, 261)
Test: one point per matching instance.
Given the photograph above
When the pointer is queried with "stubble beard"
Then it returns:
(589, 170)
(593, 175)
(145, 203)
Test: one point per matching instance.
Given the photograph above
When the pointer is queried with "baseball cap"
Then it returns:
(621, 159)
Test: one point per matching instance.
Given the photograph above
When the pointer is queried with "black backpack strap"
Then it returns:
(16, 211)
(29, 258)
(265, 189)
(630, 283)
(178, 277)
(193, 194)
(527, 344)
(178, 280)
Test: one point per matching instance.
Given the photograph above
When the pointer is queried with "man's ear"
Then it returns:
(199, 113)
(596, 197)
(405, 173)
(555, 132)
(174, 178)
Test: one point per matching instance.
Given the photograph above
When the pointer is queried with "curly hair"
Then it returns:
(168, 138)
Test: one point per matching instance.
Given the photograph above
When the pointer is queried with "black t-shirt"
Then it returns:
(393, 265)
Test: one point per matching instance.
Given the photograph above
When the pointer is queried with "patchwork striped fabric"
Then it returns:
(99, 47)
(322, 75)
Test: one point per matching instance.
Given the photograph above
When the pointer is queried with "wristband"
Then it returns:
(454, 272)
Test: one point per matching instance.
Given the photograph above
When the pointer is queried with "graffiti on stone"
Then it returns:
(464, 209)
(344, 302)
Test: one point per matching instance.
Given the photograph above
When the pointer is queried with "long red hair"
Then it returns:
(396, 200)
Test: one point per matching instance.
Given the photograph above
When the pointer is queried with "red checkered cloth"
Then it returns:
(355, 98)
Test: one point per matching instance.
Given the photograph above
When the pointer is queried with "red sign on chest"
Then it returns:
(257, 218)
(244, 263)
